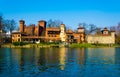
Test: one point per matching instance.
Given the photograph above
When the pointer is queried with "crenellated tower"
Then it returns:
(41, 27)
(22, 25)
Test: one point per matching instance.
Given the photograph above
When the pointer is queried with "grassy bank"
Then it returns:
(94, 45)
(28, 45)
(41, 45)
(81, 45)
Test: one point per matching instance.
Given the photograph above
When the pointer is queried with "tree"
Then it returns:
(1, 22)
(55, 23)
(49, 23)
(89, 28)
(5, 26)
(117, 32)
(1, 26)
(85, 26)
(10, 25)
(92, 28)
(98, 31)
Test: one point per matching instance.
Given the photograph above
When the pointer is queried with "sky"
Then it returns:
(103, 13)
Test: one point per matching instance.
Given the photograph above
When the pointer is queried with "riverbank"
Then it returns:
(24, 46)
(58, 45)
(94, 45)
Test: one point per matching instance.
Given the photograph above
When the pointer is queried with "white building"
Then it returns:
(107, 37)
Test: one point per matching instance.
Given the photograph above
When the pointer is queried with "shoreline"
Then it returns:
(58, 46)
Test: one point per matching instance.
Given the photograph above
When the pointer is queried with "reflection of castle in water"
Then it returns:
(80, 55)
(62, 58)
(101, 55)
(20, 58)
(117, 56)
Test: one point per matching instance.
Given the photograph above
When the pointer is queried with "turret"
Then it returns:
(62, 28)
(112, 33)
(62, 33)
(105, 31)
(42, 23)
(22, 22)
(80, 29)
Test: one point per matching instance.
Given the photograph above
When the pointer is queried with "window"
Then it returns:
(18, 35)
(105, 32)
(19, 40)
(49, 35)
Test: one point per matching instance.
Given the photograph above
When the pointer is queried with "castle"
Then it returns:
(41, 33)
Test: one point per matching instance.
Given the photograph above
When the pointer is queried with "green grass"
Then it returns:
(93, 45)
(82, 45)
(51, 44)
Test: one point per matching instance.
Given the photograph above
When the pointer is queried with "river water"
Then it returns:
(60, 62)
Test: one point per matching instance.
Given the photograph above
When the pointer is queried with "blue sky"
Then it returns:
(103, 13)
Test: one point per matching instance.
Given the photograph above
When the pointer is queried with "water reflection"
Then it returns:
(62, 57)
(58, 62)
(101, 55)
(117, 56)
(80, 56)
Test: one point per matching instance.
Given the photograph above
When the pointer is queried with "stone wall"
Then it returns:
(101, 39)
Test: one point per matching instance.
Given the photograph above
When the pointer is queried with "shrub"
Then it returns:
(19, 43)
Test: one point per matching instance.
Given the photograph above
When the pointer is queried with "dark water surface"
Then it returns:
(60, 62)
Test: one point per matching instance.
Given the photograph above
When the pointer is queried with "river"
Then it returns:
(60, 62)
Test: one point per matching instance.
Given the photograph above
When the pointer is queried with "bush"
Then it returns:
(19, 43)
(81, 45)
(48, 43)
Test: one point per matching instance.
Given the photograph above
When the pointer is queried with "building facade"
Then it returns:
(41, 33)
(76, 36)
(106, 37)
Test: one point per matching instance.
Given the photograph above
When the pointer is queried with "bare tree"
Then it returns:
(98, 31)
(1, 29)
(85, 26)
(89, 28)
(55, 23)
(49, 23)
(1, 22)
(92, 28)
(10, 25)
